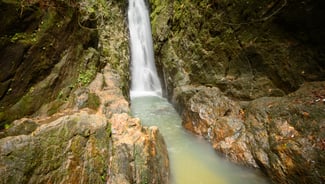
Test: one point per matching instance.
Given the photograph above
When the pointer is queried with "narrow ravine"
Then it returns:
(192, 159)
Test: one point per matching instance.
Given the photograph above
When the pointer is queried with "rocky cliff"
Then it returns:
(64, 111)
(249, 77)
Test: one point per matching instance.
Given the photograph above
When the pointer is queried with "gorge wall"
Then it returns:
(249, 77)
(246, 75)
(64, 110)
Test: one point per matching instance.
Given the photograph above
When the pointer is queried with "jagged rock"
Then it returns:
(84, 148)
(46, 52)
(222, 44)
(225, 62)
(106, 86)
(68, 78)
(58, 152)
(20, 127)
(220, 120)
(140, 154)
(284, 136)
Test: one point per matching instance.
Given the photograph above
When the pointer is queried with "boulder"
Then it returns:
(72, 149)
(283, 136)
(140, 154)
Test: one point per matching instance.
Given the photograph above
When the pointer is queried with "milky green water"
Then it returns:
(192, 159)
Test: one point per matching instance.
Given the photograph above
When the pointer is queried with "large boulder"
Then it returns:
(283, 136)
(72, 149)
(220, 120)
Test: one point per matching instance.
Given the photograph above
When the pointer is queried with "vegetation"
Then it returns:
(89, 11)
(93, 101)
(86, 76)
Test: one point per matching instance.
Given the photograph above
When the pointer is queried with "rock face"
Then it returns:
(246, 49)
(140, 155)
(284, 136)
(64, 97)
(58, 152)
(240, 73)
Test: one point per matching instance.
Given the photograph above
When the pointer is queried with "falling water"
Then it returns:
(193, 161)
(145, 80)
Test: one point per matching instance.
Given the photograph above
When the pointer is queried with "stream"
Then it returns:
(192, 159)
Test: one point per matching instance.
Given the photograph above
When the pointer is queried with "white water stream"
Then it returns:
(192, 159)
(145, 80)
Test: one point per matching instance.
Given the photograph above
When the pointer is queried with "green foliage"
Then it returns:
(109, 128)
(28, 38)
(86, 76)
(7, 126)
(94, 10)
(60, 95)
(89, 10)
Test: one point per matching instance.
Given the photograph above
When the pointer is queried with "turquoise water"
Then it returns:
(192, 159)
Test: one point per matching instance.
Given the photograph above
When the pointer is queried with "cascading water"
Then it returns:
(145, 80)
(192, 160)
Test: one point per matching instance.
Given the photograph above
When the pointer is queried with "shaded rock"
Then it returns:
(41, 55)
(286, 134)
(20, 127)
(246, 49)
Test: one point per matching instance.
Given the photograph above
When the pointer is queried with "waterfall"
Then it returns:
(145, 79)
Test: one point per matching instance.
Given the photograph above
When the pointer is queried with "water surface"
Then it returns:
(192, 159)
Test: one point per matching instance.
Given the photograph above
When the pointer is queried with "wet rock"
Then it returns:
(140, 154)
(224, 64)
(212, 115)
(83, 148)
(106, 87)
(283, 136)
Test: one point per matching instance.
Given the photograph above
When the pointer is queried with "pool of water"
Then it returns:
(192, 159)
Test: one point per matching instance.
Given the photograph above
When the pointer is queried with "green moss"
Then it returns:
(109, 128)
(93, 101)
(88, 66)
(54, 107)
(27, 38)
(47, 22)
(7, 126)
(23, 106)
(85, 77)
